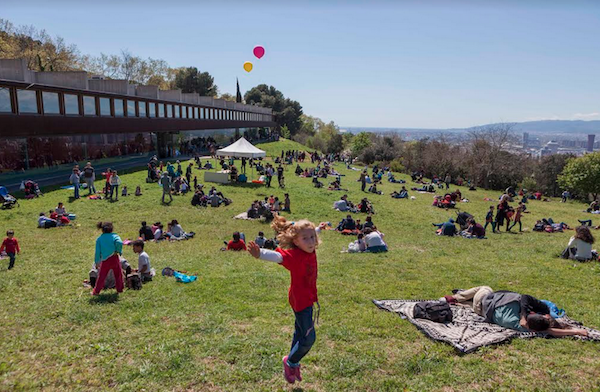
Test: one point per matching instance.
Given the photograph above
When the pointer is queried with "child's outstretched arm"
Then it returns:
(264, 254)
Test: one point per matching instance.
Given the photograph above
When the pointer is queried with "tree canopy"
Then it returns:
(190, 80)
(582, 175)
(285, 111)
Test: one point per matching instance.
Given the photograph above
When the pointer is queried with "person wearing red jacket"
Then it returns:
(11, 246)
(298, 242)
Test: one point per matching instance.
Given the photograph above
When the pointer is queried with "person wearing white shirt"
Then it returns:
(580, 245)
(374, 241)
(144, 270)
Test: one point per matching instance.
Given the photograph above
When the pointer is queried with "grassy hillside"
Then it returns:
(229, 330)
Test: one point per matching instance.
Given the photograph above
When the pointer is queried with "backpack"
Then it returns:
(436, 311)
(134, 282)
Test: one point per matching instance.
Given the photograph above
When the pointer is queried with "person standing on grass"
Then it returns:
(363, 180)
(489, 219)
(448, 180)
(188, 173)
(75, 180)
(517, 218)
(11, 246)
(115, 181)
(501, 213)
(89, 176)
(107, 175)
(108, 248)
(298, 242)
(165, 181)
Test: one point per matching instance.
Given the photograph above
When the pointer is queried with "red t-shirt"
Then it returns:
(303, 273)
(11, 245)
(240, 245)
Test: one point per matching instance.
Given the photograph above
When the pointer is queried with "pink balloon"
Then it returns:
(259, 51)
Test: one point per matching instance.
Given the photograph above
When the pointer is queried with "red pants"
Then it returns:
(112, 263)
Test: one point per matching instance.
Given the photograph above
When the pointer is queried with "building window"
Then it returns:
(161, 110)
(105, 107)
(5, 106)
(119, 108)
(170, 111)
(50, 103)
(142, 108)
(151, 109)
(71, 104)
(89, 106)
(184, 112)
(176, 107)
(130, 108)
(196, 113)
(27, 101)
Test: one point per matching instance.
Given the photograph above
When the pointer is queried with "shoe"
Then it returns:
(288, 372)
(297, 373)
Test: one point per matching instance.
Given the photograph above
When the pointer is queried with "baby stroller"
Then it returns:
(7, 200)
(462, 218)
(31, 189)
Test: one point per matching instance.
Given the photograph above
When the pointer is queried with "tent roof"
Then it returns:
(242, 149)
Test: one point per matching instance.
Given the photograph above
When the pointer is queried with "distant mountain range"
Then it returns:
(543, 127)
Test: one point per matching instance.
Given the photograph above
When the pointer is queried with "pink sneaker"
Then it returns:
(297, 373)
(288, 372)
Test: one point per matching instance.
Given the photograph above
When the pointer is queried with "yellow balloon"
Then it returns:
(248, 66)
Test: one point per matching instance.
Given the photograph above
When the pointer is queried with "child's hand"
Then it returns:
(254, 249)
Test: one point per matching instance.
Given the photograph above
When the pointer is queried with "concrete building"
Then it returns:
(53, 118)
(590, 143)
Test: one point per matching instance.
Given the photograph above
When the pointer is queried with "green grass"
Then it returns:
(229, 330)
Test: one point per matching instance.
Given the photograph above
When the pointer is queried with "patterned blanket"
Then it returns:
(468, 331)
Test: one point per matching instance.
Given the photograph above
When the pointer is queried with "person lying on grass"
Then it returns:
(512, 310)
(446, 228)
(298, 242)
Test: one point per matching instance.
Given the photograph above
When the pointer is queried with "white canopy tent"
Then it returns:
(241, 149)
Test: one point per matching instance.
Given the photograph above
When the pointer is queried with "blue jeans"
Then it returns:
(377, 249)
(12, 257)
(114, 189)
(304, 336)
(90, 184)
(76, 190)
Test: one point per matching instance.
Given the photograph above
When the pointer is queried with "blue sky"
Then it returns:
(425, 64)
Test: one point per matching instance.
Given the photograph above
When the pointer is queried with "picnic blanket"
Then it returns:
(468, 331)
(243, 215)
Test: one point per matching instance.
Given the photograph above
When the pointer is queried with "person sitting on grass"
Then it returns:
(373, 189)
(374, 240)
(159, 235)
(144, 270)
(60, 209)
(403, 194)
(299, 170)
(237, 243)
(343, 204)
(580, 245)
(260, 239)
(513, 311)
(287, 203)
(138, 191)
(366, 207)
(335, 186)
(446, 228)
(177, 232)
(146, 232)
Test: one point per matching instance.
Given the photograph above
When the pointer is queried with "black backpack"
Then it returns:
(134, 282)
(436, 311)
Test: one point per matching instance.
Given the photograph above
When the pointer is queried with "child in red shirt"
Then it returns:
(237, 243)
(298, 242)
(11, 246)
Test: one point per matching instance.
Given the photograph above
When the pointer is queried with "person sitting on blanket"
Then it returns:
(474, 230)
(446, 228)
(403, 194)
(511, 310)
(580, 245)
(374, 240)
(347, 226)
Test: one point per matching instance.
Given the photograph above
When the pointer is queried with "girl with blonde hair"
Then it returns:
(298, 242)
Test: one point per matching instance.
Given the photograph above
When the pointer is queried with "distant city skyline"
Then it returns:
(381, 64)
